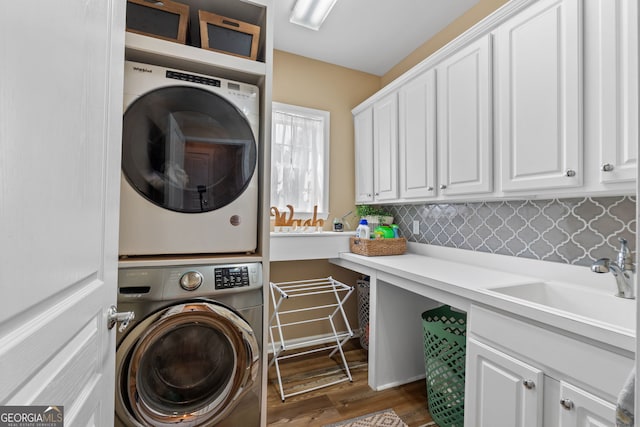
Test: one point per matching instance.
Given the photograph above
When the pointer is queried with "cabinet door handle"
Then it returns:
(442, 186)
(570, 173)
(528, 384)
(429, 188)
(567, 404)
(607, 167)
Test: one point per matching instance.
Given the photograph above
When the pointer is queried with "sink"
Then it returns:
(575, 300)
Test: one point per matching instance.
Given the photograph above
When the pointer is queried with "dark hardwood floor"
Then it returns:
(340, 401)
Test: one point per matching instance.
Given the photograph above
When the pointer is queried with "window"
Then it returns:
(300, 158)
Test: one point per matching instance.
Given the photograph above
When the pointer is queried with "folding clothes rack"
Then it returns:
(287, 291)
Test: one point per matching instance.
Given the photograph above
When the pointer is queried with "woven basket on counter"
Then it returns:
(378, 247)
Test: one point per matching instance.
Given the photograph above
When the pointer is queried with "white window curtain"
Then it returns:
(299, 158)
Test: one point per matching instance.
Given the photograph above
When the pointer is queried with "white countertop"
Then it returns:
(462, 277)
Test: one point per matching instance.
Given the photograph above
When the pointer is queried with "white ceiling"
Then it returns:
(367, 35)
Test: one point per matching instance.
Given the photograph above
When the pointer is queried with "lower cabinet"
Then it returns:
(507, 392)
(523, 375)
(579, 408)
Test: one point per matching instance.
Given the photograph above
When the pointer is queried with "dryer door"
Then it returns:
(188, 364)
(187, 149)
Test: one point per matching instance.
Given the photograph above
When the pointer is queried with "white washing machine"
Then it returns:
(192, 355)
(189, 163)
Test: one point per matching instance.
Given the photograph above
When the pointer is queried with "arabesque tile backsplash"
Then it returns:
(575, 231)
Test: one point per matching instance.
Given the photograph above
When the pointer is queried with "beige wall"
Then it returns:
(482, 9)
(309, 83)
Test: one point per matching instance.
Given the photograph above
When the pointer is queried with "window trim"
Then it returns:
(325, 117)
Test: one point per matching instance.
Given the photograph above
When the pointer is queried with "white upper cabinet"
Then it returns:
(613, 59)
(376, 151)
(417, 132)
(385, 148)
(363, 128)
(538, 100)
(464, 120)
(539, 97)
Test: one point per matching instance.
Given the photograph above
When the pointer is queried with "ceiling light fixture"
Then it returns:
(311, 13)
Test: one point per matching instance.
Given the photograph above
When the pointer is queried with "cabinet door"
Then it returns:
(501, 391)
(363, 129)
(464, 121)
(385, 148)
(582, 409)
(615, 64)
(417, 145)
(538, 106)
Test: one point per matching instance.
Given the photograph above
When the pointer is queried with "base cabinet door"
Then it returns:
(578, 408)
(501, 391)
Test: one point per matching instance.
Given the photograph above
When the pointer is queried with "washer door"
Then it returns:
(187, 149)
(188, 364)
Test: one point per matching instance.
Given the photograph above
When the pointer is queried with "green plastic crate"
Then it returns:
(445, 345)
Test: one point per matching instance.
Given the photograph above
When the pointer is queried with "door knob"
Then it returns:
(607, 167)
(442, 186)
(567, 404)
(124, 317)
(528, 384)
(570, 173)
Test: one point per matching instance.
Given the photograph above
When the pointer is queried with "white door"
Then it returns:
(582, 409)
(615, 87)
(61, 66)
(417, 145)
(501, 391)
(363, 141)
(539, 92)
(464, 121)
(385, 148)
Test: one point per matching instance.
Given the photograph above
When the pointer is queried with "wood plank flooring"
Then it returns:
(341, 401)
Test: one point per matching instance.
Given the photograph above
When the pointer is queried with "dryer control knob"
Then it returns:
(191, 280)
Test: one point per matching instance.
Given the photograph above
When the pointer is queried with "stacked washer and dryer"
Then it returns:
(192, 354)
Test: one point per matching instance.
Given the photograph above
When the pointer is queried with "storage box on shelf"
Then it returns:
(191, 57)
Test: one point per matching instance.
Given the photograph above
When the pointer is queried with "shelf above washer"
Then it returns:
(164, 53)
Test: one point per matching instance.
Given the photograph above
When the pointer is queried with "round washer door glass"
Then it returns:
(187, 149)
(188, 364)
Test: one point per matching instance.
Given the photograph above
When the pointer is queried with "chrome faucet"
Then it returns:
(622, 269)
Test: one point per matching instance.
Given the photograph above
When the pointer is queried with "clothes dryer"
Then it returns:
(192, 355)
(189, 158)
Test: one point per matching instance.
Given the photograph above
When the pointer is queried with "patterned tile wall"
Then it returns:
(574, 231)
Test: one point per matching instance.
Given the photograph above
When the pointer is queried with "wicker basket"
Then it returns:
(378, 247)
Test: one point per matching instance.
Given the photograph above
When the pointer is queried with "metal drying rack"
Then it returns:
(287, 291)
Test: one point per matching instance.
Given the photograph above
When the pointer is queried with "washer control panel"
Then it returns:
(167, 283)
(231, 277)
